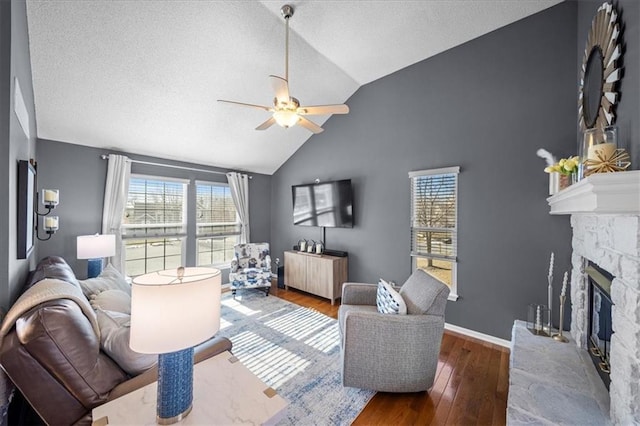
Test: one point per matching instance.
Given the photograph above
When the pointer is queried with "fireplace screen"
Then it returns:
(600, 319)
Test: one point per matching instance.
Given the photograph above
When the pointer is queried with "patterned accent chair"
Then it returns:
(387, 352)
(251, 267)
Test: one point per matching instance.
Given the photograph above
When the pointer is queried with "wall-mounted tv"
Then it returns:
(328, 204)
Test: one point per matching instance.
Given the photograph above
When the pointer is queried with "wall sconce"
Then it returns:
(50, 224)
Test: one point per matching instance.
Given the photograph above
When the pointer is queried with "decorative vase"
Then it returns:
(573, 178)
(596, 143)
(554, 183)
(564, 181)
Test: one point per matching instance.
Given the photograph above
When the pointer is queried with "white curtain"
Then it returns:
(239, 185)
(115, 198)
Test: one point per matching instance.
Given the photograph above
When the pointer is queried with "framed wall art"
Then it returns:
(26, 205)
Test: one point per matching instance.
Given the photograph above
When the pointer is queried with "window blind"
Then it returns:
(434, 199)
(216, 213)
(155, 208)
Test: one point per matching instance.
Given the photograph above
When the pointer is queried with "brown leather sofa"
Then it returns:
(53, 356)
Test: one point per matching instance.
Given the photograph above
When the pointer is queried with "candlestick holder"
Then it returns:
(558, 336)
(549, 328)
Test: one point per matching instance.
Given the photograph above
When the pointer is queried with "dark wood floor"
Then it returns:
(470, 387)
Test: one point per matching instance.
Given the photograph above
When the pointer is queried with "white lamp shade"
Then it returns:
(168, 314)
(96, 246)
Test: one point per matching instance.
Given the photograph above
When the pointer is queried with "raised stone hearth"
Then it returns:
(605, 217)
(553, 383)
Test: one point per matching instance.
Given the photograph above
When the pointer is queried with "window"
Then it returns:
(434, 229)
(218, 225)
(154, 224)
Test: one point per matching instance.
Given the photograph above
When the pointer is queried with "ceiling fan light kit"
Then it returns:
(286, 110)
(286, 118)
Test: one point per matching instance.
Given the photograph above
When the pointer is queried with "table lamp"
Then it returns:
(171, 312)
(95, 248)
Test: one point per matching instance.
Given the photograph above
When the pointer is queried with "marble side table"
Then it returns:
(224, 392)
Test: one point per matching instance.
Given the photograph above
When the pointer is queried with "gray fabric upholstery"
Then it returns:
(359, 294)
(392, 353)
(423, 294)
(344, 311)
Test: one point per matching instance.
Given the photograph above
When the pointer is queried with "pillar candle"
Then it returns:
(606, 150)
(50, 196)
(51, 223)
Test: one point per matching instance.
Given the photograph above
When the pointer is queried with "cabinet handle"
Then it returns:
(604, 367)
(596, 351)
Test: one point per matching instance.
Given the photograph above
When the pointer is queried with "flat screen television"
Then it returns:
(328, 204)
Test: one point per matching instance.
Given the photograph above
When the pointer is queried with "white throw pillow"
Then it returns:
(109, 279)
(114, 340)
(112, 300)
(388, 300)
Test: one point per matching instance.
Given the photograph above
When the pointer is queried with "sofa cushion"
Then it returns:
(109, 279)
(114, 340)
(112, 300)
(424, 294)
(59, 338)
(388, 300)
(51, 267)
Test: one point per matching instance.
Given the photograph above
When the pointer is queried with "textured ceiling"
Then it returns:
(143, 76)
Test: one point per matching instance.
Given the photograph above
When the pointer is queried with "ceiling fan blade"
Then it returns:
(280, 87)
(266, 108)
(310, 125)
(323, 109)
(264, 126)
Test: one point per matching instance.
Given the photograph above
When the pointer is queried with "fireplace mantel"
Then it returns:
(606, 193)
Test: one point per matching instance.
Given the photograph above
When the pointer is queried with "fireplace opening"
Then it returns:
(600, 329)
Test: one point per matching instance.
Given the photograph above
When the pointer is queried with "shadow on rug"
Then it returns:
(296, 351)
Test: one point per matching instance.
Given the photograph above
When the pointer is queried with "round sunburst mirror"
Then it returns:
(600, 72)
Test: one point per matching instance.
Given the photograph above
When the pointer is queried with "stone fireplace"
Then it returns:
(605, 217)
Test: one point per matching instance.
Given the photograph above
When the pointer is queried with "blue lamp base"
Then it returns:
(175, 386)
(94, 267)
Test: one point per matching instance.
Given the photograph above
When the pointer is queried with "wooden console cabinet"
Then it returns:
(321, 275)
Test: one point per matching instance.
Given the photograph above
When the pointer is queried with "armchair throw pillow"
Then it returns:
(388, 300)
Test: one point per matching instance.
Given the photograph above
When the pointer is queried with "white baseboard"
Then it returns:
(477, 335)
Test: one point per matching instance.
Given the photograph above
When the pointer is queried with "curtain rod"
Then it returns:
(171, 166)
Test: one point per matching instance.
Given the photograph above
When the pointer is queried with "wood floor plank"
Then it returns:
(489, 391)
(502, 389)
(446, 402)
(470, 386)
(438, 393)
(466, 404)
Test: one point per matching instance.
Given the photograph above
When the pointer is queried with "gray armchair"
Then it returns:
(392, 353)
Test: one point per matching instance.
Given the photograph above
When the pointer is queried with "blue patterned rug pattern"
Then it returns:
(296, 351)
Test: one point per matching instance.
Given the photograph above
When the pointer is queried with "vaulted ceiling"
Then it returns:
(144, 76)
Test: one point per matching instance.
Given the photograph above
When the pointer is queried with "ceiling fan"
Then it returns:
(286, 109)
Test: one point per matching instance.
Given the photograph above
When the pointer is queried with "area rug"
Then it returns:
(296, 351)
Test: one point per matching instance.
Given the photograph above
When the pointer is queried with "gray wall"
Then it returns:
(628, 110)
(80, 174)
(14, 144)
(485, 106)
